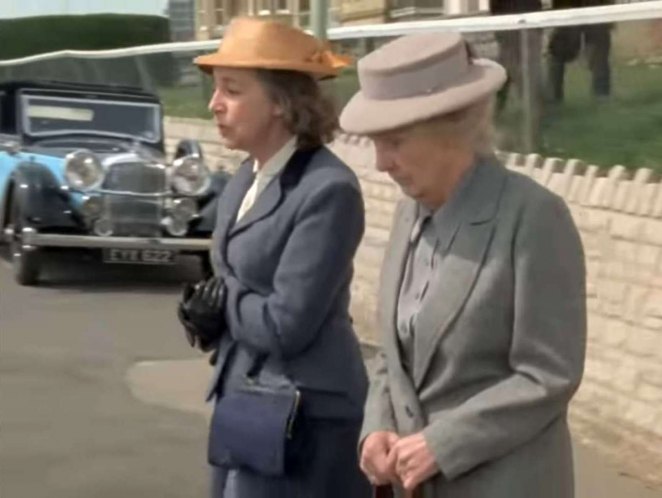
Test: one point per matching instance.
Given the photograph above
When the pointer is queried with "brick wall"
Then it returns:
(618, 409)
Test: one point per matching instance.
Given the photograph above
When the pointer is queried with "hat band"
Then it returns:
(416, 82)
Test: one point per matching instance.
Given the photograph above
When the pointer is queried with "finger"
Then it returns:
(207, 289)
(371, 467)
(216, 294)
(181, 313)
(363, 461)
(387, 472)
(392, 439)
(411, 481)
(365, 464)
(392, 458)
(189, 337)
(371, 478)
(375, 465)
(401, 469)
(194, 299)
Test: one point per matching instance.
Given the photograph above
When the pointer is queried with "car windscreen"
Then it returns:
(50, 116)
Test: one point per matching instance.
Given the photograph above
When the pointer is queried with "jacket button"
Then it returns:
(410, 414)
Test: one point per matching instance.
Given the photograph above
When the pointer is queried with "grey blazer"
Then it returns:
(499, 343)
(287, 266)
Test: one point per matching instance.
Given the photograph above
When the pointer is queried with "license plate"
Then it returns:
(139, 256)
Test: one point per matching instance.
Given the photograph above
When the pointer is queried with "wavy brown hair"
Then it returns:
(307, 112)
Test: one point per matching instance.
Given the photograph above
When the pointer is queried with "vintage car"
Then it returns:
(83, 167)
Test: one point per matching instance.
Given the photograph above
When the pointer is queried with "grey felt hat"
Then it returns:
(415, 78)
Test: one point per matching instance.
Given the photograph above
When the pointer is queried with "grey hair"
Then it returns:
(473, 124)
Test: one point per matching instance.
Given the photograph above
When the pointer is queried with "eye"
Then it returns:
(232, 91)
(393, 142)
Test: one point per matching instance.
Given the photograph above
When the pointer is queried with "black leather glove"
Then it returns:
(201, 312)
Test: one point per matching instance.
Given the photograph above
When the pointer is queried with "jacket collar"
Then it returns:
(273, 194)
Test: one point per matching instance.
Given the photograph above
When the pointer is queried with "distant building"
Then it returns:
(212, 15)
(182, 20)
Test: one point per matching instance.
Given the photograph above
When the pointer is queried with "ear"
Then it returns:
(278, 111)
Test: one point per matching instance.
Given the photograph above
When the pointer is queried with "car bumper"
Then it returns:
(35, 239)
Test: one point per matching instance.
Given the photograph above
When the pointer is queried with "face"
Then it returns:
(414, 161)
(243, 112)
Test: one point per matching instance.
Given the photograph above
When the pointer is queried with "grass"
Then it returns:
(185, 101)
(624, 129)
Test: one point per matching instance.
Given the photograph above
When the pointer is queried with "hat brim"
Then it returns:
(365, 116)
(208, 62)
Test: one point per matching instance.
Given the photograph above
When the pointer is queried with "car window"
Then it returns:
(49, 116)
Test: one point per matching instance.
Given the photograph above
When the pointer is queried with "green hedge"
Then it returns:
(35, 35)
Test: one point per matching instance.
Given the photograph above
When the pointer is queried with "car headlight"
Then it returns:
(83, 170)
(91, 207)
(184, 209)
(190, 176)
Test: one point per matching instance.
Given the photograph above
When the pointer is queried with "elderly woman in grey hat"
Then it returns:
(482, 298)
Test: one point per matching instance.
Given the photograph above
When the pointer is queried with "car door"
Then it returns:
(8, 152)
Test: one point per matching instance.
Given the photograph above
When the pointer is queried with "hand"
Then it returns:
(201, 312)
(376, 462)
(414, 462)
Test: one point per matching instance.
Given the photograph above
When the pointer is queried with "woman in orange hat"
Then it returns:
(289, 382)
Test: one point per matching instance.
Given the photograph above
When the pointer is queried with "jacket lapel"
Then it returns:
(393, 271)
(465, 232)
(228, 209)
(272, 195)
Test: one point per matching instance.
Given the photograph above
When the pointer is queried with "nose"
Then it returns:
(216, 102)
(383, 160)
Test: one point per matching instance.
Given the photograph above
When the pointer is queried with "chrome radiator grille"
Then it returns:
(136, 177)
(135, 216)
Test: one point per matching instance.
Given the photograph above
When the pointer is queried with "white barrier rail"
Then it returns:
(638, 11)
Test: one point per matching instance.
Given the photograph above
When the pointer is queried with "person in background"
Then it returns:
(482, 305)
(565, 45)
(510, 46)
(277, 310)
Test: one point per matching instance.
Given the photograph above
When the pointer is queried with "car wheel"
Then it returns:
(26, 262)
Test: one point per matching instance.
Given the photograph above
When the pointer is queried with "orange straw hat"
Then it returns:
(260, 44)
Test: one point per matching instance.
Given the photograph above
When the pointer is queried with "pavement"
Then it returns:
(595, 477)
(100, 395)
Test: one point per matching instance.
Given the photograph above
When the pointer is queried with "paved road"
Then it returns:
(70, 425)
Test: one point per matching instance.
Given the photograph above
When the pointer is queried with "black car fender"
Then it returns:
(209, 204)
(43, 202)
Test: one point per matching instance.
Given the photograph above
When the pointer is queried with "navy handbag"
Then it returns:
(255, 425)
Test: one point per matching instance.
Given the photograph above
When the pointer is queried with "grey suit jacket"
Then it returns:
(499, 343)
(287, 266)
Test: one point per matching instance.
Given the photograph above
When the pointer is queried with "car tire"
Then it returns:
(26, 263)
